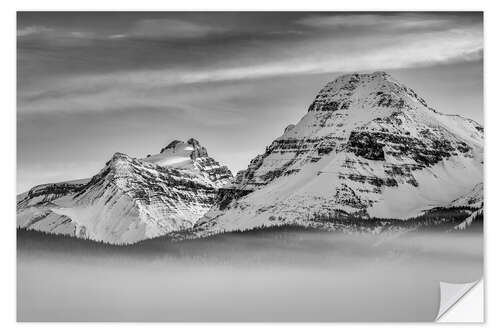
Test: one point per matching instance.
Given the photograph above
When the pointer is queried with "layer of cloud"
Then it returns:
(142, 88)
(390, 41)
(379, 21)
(56, 36)
(84, 82)
(33, 30)
(170, 29)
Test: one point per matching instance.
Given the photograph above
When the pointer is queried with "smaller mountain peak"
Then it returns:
(171, 145)
(198, 150)
(178, 147)
(179, 154)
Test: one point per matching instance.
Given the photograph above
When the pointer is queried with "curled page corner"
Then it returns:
(450, 294)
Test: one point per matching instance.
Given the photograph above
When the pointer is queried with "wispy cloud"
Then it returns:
(33, 30)
(146, 87)
(56, 36)
(170, 29)
(87, 80)
(380, 21)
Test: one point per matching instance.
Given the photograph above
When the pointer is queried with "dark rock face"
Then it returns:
(323, 101)
(426, 151)
(47, 192)
(227, 195)
(199, 151)
(365, 145)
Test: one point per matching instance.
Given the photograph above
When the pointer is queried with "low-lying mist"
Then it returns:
(259, 276)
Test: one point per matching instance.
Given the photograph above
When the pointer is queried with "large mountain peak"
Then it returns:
(354, 79)
(368, 147)
(365, 91)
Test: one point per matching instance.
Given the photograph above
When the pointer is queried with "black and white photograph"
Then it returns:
(248, 166)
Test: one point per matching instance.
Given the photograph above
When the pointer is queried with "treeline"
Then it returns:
(435, 219)
(33, 241)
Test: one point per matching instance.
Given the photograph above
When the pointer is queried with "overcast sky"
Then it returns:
(91, 84)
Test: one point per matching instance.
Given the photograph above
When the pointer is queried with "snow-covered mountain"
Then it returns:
(130, 199)
(368, 153)
(368, 147)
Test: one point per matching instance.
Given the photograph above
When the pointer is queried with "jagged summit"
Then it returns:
(171, 145)
(355, 78)
(378, 89)
(179, 154)
(177, 146)
(355, 101)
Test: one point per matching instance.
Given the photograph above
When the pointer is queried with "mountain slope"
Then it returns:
(368, 147)
(130, 199)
